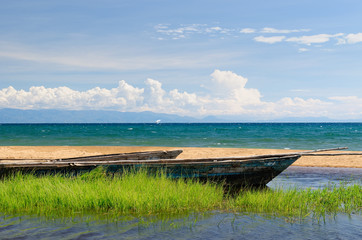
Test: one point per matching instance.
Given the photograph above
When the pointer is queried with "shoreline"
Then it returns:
(53, 152)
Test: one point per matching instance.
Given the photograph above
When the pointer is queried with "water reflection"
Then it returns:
(316, 177)
(209, 226)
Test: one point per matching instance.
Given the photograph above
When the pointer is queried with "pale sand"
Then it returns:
(33, 152)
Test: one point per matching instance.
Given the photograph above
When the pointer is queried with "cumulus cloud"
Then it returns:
(230, 86)
(123, 97)
(228, 80)
(270, 40)
(227, 94)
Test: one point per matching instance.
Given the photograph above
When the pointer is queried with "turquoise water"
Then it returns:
(243, 135)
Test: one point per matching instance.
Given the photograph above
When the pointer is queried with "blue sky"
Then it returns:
(248, 59)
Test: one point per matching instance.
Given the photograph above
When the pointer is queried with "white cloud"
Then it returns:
(270, 40)
(230, 86)
(123, 97)
(354, 38)
(343, 98)
(298, 107)
(303, 50)
(185, 31)
(164, 29)
(228, 80)
(348, 106)
(273, 30)
(247, 30)
(308, 40)
(351, 99)
(215, 30)
(227, 95)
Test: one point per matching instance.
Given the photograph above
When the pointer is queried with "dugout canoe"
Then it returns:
(234, 171)
(240, 171)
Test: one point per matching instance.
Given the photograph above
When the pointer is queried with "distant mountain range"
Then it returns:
(8, 115)
(86, 116)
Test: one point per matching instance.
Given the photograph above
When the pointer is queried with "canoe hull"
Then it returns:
(245, 172)
(236, 173)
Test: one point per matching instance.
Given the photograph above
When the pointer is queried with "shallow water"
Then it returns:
(316, 177)
(210, 225)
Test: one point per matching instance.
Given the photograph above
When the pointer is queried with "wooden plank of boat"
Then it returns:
(147, 155)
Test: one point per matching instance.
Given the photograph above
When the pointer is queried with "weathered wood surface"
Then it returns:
(170, 154)
(332, 154)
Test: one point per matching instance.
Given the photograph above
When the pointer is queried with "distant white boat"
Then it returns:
(158, 121)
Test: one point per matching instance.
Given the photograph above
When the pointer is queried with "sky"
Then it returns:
(259, 59)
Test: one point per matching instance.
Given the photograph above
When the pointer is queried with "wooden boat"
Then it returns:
(236, 171)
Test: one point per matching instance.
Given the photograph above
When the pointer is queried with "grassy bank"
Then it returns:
(141, 194)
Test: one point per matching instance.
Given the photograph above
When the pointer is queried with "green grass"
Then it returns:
(141, 194)
(132, 193)
(303, 202)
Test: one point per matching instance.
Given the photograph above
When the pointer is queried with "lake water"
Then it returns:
(209, 225)
(240, 135)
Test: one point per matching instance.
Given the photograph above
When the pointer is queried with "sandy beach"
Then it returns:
(52, 152)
